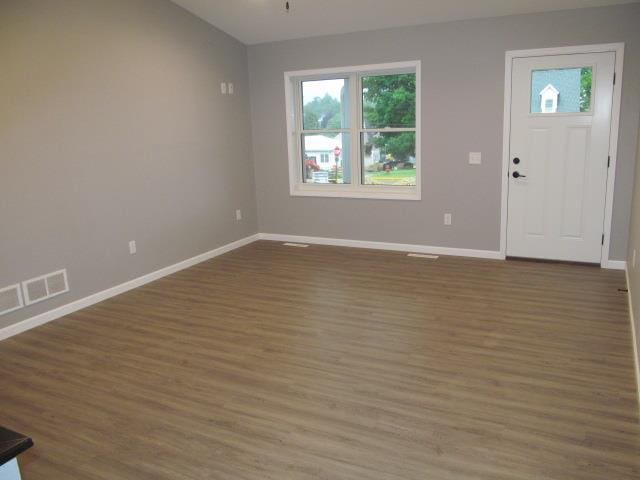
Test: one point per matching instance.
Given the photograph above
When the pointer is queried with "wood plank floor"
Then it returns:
(274, 362)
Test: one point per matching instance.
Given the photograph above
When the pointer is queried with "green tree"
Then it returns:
(586, 80)
(390, 101)
(322, 112)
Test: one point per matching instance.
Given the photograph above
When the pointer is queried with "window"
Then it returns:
(353, 131)
(561, 90)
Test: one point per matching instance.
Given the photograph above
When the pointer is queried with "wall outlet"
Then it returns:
(223, 88)
(238, 214)
(447, 219)
(231, 89)
(475, 158)
(633, 259)
(133, 249)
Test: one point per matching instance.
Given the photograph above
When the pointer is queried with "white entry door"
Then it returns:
(559, 146)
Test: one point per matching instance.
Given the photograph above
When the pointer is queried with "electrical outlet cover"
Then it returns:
(475, 158)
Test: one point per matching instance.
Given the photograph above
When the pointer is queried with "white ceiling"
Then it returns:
(260, 21)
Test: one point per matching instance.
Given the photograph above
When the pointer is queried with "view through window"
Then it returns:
(389, 103)
(561, 90)
(356, 131)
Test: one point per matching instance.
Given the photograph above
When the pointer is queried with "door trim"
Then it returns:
(618, 49)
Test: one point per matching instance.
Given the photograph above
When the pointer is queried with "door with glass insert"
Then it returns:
(558, 165)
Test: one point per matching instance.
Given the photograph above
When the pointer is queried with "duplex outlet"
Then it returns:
(133, 249)
(475, 158)
(447, 219)
(238, 214)
(226, 88)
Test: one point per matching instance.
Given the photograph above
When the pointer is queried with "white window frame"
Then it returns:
(356, 189)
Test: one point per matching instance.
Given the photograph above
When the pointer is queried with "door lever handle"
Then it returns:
(518, 175)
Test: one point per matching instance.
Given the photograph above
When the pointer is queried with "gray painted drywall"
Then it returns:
(113, 128)
(462, 110)
(633, 272)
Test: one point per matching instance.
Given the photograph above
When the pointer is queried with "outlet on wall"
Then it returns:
(223, 88)
(238, 214)
(475, 158)
(447, 219)
(133, 249)
(230, 88)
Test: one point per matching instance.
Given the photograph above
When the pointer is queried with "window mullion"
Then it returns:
(356, 122)
(297, 95)
(322, 132)
(388, 130)
(299, 112)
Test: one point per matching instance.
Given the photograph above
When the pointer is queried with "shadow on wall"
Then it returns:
(633, 265)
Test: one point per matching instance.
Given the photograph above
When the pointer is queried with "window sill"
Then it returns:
(349, 191)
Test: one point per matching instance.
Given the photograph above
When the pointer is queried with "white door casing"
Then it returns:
(556, 208)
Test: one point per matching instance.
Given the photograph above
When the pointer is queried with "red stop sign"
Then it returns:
(337, 151)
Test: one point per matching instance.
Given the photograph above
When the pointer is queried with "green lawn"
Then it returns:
(405, 176)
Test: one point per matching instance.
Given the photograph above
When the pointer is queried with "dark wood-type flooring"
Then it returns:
(274, 362)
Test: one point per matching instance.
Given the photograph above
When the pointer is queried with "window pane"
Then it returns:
(325, 104)
(320, 162)
(389, 101)
(389, 158)
(562, 90)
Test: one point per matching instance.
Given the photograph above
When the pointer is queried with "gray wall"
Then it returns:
(462, 110)
(633, 272)
(113, 128)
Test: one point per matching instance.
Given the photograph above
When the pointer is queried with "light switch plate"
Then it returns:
(223, 88)
(230, 88)
(475, 158)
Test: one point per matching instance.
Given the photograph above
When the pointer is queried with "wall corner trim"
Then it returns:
(634, 338)
(85, 302)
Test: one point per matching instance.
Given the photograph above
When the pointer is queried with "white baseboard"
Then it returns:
(634, 338)
(56, 313)
(398, 247)
(615, 264)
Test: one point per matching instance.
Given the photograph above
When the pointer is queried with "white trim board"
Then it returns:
(406, 247)
(634, 338)
(614, 264)
(396, 247)
(85, 302)
(618, 49)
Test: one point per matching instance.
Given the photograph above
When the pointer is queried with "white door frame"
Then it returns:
(618, 49)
